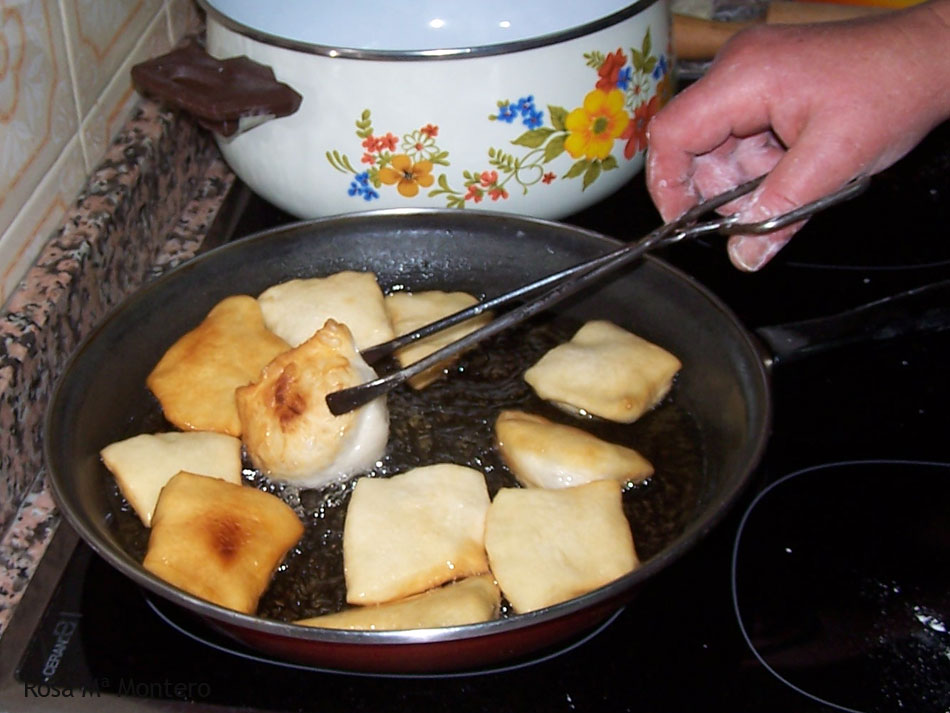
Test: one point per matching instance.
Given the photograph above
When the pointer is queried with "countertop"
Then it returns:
(145, 209)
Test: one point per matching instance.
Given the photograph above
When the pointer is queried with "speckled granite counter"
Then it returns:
(144, 210)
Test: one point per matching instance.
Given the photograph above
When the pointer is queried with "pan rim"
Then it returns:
(711, 513)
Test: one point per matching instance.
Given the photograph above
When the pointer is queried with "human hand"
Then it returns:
(812, 105)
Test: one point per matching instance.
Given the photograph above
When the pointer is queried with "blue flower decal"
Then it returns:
(506, 113)
(530, 115)
(360, 187)
(532, 119)
(624, 78)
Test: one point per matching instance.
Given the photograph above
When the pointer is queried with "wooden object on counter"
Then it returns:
(696, 38)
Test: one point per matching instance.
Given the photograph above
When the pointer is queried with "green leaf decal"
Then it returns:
(592, 173)
(364, 125)
(637, 60)
(440, 158)
(609, 163)
(554, 148)
(558, 116)
(340, 162)
(578, 168)
(647, 46)
(594, 59)
(534, 138)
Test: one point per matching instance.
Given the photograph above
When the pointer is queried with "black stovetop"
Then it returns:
(678, 646)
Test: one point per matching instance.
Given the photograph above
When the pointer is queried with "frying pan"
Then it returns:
(723, 386)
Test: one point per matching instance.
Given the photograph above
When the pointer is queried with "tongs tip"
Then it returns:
(346, 400)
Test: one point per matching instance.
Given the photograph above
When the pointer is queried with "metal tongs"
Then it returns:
(568, 281)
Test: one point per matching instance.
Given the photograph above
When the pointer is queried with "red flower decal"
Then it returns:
(636, 131)
(474, 194)
(609, 71)
(387, 142)
(430, 130)
(489, 177)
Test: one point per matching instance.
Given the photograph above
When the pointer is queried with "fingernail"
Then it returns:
(752, 253)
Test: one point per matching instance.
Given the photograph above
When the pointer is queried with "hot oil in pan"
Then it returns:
(452, 421)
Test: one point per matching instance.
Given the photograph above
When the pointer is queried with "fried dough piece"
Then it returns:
(469, 601)
(545, 454)
(288, 430)
(408, 311)
(195, 379)
(548, 546)
(219, 541)
(605, 371)
(414, 531)
(298, 308)
(143, 464)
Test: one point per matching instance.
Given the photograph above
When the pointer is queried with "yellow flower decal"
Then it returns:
(594, 126)
(406, 175)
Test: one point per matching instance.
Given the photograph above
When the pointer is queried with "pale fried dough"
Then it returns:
(143, 464)
(408, 311)
(545, 454)
(605, 371)
(469, 601)
(298, 308)
(414, 531)
(548, 546)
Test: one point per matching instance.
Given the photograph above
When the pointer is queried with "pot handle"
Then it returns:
(226, 96)
(923, 309)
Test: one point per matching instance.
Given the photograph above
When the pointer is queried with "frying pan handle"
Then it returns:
(226, 96)
(923, 309)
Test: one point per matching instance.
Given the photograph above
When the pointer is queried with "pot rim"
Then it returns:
(335, 51)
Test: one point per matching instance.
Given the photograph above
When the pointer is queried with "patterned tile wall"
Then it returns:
(64, 93)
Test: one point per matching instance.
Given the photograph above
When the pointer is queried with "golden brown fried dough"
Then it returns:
(545, 454)
(605, 371)
(409, 311)
(298, 308)
(468, 601)
(219, 541)
(414, 531)
(288, 430)
(143, 464)
(548, 546)
(195, 379)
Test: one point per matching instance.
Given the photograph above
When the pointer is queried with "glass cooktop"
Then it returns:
(825, 588)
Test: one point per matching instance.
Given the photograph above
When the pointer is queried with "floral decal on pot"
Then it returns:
(630, 87)
(403, 162)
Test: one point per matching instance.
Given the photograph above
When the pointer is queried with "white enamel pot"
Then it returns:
(537, 110)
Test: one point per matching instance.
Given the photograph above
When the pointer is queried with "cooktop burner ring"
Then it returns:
(813, 650)
(168, 616)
